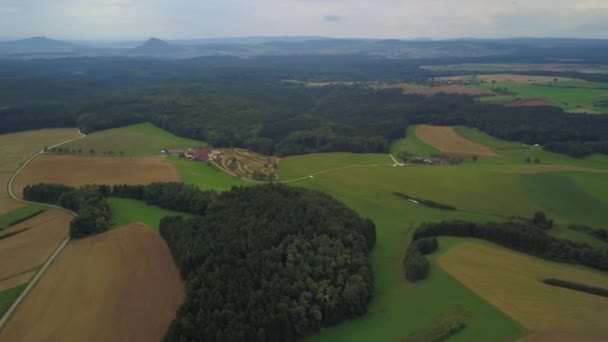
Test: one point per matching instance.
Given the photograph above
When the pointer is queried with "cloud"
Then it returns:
(332, 18)
(366, 18)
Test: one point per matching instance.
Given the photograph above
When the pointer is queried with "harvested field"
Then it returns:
(446, 140)
(448, 89)
(530, 170)
(535, 102)
(17, 148)
(16, 281)
(118, 286)
(77, 171)
(512, 282)
(31, 248)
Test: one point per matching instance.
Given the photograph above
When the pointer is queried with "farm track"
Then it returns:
(58, 250)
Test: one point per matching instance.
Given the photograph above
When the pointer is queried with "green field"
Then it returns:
(8, 219)
(488, 190)
(575, 98)
(139, 140)
(126, 211)
(8, 297)
(412, 144)
(504, 68)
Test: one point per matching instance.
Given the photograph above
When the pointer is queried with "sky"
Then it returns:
(400, 19)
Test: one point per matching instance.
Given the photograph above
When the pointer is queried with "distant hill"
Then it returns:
(156, 46)
(37, 45)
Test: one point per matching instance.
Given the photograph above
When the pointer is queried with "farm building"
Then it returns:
(175, 152)
(204, 155)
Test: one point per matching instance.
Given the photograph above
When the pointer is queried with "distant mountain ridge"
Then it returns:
(156, 46)
(37, 45)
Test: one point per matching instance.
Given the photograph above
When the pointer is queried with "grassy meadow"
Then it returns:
(141, 140)
(126, 211)
(491, 189)
(577, 96)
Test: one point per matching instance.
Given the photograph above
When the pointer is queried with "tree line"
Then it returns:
(93, 210)
(522, 237)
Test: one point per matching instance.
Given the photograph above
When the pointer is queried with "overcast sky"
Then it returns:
(128, 19)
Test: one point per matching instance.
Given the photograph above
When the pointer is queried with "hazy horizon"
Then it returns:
(382, 19)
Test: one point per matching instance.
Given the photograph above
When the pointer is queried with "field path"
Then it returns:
(50, 260)
(309, 176)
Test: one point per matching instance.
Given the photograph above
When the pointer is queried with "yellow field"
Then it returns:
(512, 282)
(15, 148)
(446, 140)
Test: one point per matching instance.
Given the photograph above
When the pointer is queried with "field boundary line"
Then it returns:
(8, 314)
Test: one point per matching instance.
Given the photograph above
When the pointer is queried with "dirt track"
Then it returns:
(446, 140)
(31, 248)
(119, 286)
(76, 171)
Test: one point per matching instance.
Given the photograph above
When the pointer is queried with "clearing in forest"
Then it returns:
(448, 141)
(17, 148)
(512, 281)
(77, 171)
(118, 286)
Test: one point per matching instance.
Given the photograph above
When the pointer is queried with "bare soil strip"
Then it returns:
(446, 140)
(118, 286)
(77, 171)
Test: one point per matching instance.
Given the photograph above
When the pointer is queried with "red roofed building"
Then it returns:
(201, 155)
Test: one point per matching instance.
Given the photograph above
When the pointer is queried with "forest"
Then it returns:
(270, 263)
(229, 102)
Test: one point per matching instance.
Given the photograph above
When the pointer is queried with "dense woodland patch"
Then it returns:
(270, 263)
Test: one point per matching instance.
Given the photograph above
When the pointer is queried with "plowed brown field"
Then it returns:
(118, 286)
(77, 171)
(32, 248)
(446, 140)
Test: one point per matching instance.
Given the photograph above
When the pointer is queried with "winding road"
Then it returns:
(50, 260)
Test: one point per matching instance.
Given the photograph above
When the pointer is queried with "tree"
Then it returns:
(475, 159)
(46, 148)
(528, 160)
(537, 160)
(91, 151)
